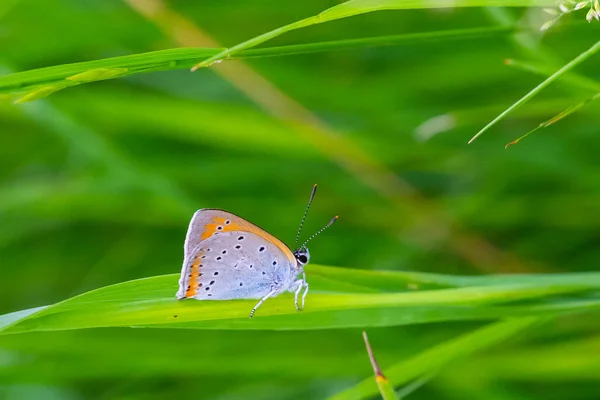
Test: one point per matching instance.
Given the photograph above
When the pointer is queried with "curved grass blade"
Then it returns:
(338, 300)
(385, 388)
(11, 318)
(41, 82)
(414, 385)
(392, 316)
(576, 80)
(378, 41)
(51, 79)
(576, 61)
(556, 118)
(432, 360)
(357, 7)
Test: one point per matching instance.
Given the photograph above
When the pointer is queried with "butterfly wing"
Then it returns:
(227, 257)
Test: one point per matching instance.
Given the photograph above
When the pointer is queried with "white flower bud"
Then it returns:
(590, 15)
(547, 25)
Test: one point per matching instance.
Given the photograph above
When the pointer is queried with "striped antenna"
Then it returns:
(319, 232)
(312, 196)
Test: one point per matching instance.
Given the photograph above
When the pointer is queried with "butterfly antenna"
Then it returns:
(312, 196)
(319, 232)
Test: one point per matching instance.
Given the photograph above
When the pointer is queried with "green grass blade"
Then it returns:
(379, 41)
(575, 80)
(11, 318)
(391, 316)
(357, 7)
(414, 385)
(440, 356)
(385, 387)
(337, 300)
(576, 61)
(39, 83)
(63, 76)
(563, 114)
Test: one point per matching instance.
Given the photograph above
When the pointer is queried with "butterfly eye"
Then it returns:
(303, 259)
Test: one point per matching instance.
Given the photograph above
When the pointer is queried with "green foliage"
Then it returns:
(576, 61)
(440, 355)
(386, 388)
(39, 83)
(343, 298)
(98, 182)
(357, 7)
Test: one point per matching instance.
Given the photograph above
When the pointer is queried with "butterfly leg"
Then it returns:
(301, 283)
(305, 293)
(271, 293)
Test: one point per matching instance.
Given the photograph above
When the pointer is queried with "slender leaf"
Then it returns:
(338, 299)
(440, 356)
(556, 118)
(576, 61)
(574, 80)
(39, 83)
(357, 7)
(385, 387)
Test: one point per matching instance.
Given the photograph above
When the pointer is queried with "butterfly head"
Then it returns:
(302, 256)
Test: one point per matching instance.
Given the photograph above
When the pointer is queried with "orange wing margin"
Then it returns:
(231, 222)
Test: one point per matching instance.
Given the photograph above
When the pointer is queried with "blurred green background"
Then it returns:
(98, 182)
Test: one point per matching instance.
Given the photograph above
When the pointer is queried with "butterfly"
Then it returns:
(227, 257)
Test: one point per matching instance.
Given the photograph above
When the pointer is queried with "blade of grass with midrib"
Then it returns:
(431, 360)
(357, 7)
(62, 76)
(385, 387)
(336, 294)
(570, 65)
